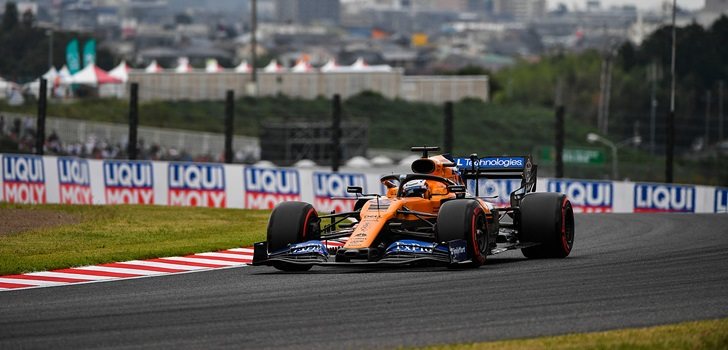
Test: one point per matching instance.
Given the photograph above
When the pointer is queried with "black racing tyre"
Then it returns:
(464, 219)
(358, 205)
(547, 218)
(289, 223)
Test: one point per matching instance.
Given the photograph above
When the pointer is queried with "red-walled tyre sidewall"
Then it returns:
(547, 219)
(461, 219)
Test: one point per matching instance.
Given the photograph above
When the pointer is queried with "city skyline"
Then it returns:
(641, 4)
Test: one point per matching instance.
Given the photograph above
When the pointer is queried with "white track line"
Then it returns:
(72, 275)
(244, 250)
(165, 265)
(30, 282)
(204, 261)
(227, 255)
(122, 270)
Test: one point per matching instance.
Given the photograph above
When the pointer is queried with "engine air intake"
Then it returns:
(423, 166)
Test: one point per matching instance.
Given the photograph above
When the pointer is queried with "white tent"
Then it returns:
(243, 67)
(153, 67)
(120, 72)
(358, 162)
(6, 88)
(212, 66)
(273, 67)
(52, 78)
(302, 67)
(64, 75)
(51, 75)
(183, 65)
(330, 66)
(360, 66)
(381, 161)
(407, 161)
(264, 164)
(304, 163)
(12, 92)
(93, 75)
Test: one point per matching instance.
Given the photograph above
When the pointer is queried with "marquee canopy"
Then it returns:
(93, 75)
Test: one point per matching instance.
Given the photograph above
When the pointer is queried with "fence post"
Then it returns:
(133, 120)
(336, 134)
(448, 137)
(229, 118)
(559, 141)
(40, 125)
(670, 147)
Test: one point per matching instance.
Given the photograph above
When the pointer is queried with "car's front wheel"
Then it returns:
(464, 219)
(289, 223)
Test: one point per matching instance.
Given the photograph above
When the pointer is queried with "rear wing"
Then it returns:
(500, 167)
(494, 167)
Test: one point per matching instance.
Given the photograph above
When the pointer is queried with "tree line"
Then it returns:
(701, 66)
(26, 46)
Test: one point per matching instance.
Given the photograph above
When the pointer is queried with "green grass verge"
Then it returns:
(711, 334)
(121, 233)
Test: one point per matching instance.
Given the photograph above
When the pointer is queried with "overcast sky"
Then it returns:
(641, 4)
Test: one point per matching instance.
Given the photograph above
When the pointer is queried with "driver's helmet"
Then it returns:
(415, 188)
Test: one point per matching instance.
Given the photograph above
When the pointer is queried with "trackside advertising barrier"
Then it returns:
(68, 180)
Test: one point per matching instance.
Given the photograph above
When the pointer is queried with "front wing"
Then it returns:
(400, 253)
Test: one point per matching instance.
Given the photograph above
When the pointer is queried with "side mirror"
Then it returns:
(354, 189)
(456, 188)
(459, 190)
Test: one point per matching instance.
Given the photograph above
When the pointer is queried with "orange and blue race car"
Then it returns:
(427, 217)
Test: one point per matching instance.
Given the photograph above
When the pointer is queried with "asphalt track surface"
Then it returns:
(624, 271)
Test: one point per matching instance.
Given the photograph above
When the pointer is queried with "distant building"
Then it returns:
(440, 5)
(308, 11)
(198, 85)
(520, 10)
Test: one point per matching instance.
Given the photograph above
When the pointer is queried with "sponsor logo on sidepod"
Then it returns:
(663, 198)
(197, 185)
(721, 200)
(74, 181)
(23, 179)
(327, 185)
(586, 196)
(266, 187)
(128, 182)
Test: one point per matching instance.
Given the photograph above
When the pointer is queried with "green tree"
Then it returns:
(27, 19)
(10, 18)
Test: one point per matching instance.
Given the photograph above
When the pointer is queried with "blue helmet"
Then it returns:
(415, 188)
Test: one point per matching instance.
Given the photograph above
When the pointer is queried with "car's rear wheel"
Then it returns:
(464, 219)
(289, 223)
(547, 219)
(359, 205)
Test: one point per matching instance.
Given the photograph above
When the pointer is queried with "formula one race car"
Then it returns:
(426, 218)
